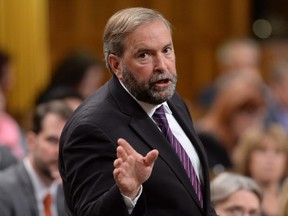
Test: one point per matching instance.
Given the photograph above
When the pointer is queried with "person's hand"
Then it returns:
(131, 168)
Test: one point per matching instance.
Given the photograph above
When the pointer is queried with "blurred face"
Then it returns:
(92, 81)
(7, 79)
(147, 68)
(247, 107)
(43, 152)
(268, 161)
(243, 57)
(282, 88)
(240, 203)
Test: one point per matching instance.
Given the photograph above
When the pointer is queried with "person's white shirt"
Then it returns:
(41, 190)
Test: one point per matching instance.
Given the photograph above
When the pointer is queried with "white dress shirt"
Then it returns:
(41, 190)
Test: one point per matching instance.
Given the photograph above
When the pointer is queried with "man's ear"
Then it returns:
(31, 140)
(116, 66)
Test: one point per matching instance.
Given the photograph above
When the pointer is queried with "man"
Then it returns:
(24, 187)
(277, 98)
(109, 149)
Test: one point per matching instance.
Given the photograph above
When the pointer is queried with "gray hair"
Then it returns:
(224, 51)
(227, 183)
(124, 22)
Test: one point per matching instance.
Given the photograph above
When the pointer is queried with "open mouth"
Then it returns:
(162, 82)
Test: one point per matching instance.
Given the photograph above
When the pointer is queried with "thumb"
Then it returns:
(151, 157)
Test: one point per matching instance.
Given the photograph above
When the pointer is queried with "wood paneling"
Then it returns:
(24, 35)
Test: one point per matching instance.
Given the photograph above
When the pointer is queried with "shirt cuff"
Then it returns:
(130, 204)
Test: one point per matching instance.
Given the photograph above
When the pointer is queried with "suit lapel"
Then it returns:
(28, 189)
(152, 136)
(60, 200)
(149, 132)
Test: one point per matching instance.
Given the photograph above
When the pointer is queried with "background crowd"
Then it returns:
(243, 125)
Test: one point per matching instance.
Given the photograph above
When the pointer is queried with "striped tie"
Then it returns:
(160, 118)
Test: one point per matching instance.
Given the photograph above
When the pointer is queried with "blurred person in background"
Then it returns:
(10, 131)
(67, 94)
(6, 158)
(79, 71)
(235, 195)
(262, 154)
(237, 54)
(239, 105)
(284, 199)
(277, 97)
(34, 185)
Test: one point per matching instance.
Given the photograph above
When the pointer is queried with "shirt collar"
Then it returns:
(40, 189)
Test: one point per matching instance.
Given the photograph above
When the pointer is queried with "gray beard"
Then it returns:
(147, 92)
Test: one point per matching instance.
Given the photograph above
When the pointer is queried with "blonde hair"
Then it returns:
(251, 140)
(124, 22)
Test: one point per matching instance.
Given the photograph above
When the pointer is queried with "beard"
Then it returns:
(148, 91)
(44, 169)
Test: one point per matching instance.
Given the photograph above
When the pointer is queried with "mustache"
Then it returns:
(162, 76)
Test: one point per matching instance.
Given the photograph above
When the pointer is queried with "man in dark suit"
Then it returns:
(24, 187)
(114, 159)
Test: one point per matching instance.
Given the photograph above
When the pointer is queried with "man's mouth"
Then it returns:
(162, 83)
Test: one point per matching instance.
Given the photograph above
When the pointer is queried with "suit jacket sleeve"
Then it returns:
(89, 184)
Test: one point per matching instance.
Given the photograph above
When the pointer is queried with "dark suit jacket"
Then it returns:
(17, 194)
(88, 149)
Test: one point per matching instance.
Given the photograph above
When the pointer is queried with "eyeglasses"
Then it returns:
(238, 211)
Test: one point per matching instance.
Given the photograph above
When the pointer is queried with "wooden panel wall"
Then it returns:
(24, 35)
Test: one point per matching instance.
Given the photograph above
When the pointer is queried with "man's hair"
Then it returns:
(57, 107)
(124, 22)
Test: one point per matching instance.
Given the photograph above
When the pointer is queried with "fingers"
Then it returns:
(125, 149)
(117, 163)
(126, 146)
(121, 153)
(151, 157)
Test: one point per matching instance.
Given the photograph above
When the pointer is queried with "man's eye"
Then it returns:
(167, 50)
(52, 140)
(142, 55)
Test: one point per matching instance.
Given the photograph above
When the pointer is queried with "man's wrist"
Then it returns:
(130, 203)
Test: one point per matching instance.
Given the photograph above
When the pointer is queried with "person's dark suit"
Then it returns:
(17, 194)
(88, 149)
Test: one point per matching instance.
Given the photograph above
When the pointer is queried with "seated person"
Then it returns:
(233, 195)
(34, 186)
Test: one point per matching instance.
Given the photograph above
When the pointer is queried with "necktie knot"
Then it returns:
(159, 116)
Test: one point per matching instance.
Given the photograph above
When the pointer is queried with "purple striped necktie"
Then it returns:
(160, 118)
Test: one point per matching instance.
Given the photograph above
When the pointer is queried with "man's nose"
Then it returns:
(160, 63)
